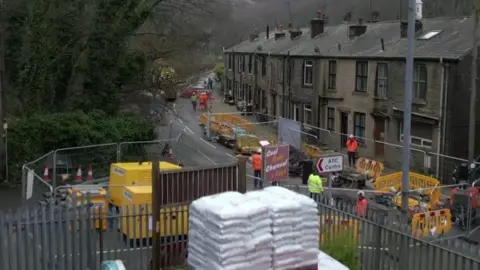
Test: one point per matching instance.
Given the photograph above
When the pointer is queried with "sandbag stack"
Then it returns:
(307, 228)
(284, 215)
(229, 231)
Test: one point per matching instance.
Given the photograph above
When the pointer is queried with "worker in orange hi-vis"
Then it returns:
(203, 100)
(352, 146)
(257, 169)
(361, 205)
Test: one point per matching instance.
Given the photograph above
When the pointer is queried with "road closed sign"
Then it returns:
(330, 164)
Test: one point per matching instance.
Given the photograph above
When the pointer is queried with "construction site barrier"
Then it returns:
(227, 120)
(370, 167)
(432, 223)
(335, 224)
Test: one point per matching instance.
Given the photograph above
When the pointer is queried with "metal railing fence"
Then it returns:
(61, 237)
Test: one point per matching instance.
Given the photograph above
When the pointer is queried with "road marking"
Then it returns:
(189, 130)
(181, 121)
(208, 143)
(214, 163)
(232, 156)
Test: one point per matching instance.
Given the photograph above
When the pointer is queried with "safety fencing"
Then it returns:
(74, 165)
(64, 237)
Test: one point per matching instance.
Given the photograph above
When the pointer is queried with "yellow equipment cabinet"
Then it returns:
(132, 173)
(98, 198)
(137, 216)
(431, 193)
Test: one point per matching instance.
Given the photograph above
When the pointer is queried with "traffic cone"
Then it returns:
(90, 173)
(78, 178)
(46, 177)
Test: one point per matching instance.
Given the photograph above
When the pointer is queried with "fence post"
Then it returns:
(242, 173)
(380, 221)
(54, 176)
(119, 152)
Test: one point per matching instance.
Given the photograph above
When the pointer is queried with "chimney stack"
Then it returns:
(357, 30)
(404, 28)
(295, 33)
(317, 25)
(280, 33)
(375, 16)
(255, 34)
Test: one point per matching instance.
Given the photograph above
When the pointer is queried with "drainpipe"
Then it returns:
(283, 87)
(289, 84)
(255, 79)
(440, 125)
(233, 72)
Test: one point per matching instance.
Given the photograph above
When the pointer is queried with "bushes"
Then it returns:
(31, 137)
(343, 247)
(219, 70)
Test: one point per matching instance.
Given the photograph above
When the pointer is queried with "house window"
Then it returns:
(230, 61)
(250, 62)
(381, 89)
(296, 112)
(421, 134)
(308, 72)
(332, 74)
(361, 76)
(420, 83)
(290, 70)
(280, 69)
(241, 63)
(331, 119)
(264, 66)
(307, 114)
(359, 120)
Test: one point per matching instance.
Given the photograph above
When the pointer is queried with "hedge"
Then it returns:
(30, 138)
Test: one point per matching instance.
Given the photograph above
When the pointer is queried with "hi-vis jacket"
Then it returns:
(315, 184)
(352, 145)
(257, 162)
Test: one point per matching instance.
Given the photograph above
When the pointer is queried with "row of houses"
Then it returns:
(350, 79)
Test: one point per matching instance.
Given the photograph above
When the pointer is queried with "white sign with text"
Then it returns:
(330, 164)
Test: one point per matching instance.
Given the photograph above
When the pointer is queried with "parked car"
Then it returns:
(187, 93)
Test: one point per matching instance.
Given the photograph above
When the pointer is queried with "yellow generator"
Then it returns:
(137, 221)
(97, 197)
(131, 174)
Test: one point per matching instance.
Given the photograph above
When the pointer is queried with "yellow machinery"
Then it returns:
(247, 144)
(136, 223)
(97, 197)
(428, 198)
(226, 123)
(130, 174)
(431, 223)
(330, 225)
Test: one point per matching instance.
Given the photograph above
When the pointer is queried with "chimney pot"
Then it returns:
(360, 21)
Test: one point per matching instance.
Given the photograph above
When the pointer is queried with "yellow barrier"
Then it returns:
(432, 222)
(312, 151)
(415, 181)
(228, 118)
(368, 166)
(334, 224)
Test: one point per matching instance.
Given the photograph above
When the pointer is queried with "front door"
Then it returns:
(379, 135)
(343, 129)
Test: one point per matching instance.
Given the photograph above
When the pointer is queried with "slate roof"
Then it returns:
(453, 42)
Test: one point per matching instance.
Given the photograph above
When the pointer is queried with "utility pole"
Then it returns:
(473, 86)
(3, 169)
(407, 110)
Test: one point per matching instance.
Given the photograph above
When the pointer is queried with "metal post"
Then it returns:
(407, 110)
(2, 78)
(209, 119)
(330, 196)
(5, 127)
(407, 116)
(262, 178)
(156, 188)
(473, 86)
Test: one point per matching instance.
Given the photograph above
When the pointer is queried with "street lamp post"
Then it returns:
(5, 129)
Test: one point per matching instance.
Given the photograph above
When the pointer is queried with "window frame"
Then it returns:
(330, 125)
(307, 69)
(361, 76)
(419, 82)
(296, 115)
(423, 142)
(280, 67)
(230, 61)
(250, 62)
(360, 138)
(332, 74)
(381, 93)
(307, 108)
(264, 66)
